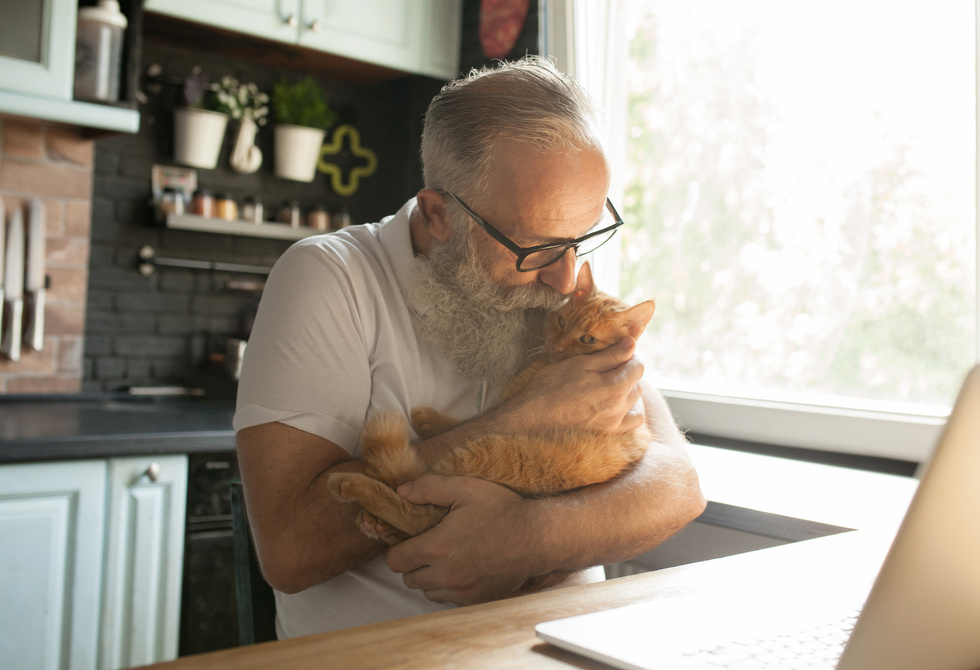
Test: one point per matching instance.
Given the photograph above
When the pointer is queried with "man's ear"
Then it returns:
(432, 206)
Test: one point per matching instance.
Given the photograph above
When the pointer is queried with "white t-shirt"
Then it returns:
(334, 342)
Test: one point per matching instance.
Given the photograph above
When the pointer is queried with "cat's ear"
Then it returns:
(637, 317)
(584, 286)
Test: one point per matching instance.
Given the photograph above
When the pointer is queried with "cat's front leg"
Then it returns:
(429, 423)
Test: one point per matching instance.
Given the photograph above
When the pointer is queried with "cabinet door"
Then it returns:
(270, 19)
(443, 28)
(383, 32)
(144, 560)
(52, 522)
(37, 47)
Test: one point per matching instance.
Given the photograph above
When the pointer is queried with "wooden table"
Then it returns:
(501, 634)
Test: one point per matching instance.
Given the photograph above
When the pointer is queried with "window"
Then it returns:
(799, 186)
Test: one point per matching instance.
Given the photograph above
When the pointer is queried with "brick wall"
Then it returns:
(53, 163)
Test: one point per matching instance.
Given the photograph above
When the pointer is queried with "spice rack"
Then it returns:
(278, 231)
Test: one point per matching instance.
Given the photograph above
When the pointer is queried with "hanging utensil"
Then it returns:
(14, 286)
(34, 283)
(3, 241)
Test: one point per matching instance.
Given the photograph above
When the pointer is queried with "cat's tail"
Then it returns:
(387, 450)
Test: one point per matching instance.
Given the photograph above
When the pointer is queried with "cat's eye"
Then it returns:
(562, 322)
(587, 339)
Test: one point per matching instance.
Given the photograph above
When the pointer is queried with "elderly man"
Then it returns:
(436, 306)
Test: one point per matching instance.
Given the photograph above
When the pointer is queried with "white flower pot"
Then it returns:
(297, 151)
(198, 135)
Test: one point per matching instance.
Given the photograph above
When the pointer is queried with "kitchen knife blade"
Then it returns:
(13, 279)
(3, 241)
(34, 281)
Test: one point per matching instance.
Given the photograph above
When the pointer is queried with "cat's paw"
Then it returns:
(378, 529)
(428, 422)
(344, 485)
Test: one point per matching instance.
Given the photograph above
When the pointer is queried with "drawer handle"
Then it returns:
(290, 20)
(152, 472)
(314, 25)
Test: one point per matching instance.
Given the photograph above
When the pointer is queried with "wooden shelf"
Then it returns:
(278, 231)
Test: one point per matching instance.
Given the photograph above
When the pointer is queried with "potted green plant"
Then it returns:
(302, 117)
(199, 125)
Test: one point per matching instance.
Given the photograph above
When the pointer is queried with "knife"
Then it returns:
(3, 240)
(34, 282)
(13, 275)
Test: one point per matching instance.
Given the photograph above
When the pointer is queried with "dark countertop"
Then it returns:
(58, 428)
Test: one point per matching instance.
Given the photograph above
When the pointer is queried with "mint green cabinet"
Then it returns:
(144, 557)
(52, 525)
(420, 36)
(91, 558)
(37, 47)
(37, 67)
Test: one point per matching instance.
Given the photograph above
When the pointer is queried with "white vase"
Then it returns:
(297, 151)
(198, 135)
(245, 156)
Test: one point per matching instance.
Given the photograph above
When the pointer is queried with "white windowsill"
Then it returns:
(853, 431)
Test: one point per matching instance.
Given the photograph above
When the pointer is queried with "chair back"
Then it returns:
(256, 601)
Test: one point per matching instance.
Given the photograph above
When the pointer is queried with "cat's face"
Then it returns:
(591, 321)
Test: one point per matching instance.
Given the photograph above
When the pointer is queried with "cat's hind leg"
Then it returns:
(381, 502)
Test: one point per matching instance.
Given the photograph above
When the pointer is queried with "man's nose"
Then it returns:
(560, 275)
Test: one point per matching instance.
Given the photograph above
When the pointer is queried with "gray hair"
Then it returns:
(528, 101)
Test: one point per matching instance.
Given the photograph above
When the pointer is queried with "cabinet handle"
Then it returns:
(152, 472)
(290, 20)
(314, 25)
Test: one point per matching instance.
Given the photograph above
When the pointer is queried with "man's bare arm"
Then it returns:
(303, 535)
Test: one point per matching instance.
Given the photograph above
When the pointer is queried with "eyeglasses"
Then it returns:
(542, 255)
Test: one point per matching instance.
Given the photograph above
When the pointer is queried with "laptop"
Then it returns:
(922, 611)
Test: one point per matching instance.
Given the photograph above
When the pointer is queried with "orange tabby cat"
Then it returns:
(532, 464)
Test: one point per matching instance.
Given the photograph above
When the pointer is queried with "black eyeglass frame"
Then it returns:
(524, 252)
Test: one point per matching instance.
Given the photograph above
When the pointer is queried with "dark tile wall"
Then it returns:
(160, 330)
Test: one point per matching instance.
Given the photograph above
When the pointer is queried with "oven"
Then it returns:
(209, 614)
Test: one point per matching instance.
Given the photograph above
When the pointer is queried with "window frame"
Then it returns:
(583, 41)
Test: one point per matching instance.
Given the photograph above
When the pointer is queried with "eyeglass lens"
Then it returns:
(539, 259)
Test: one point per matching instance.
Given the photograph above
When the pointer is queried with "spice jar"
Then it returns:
(225, 207)
(341, 219)
(290, 213)
(202, 204)
(252, 210)
(171, 202)
(318, 218)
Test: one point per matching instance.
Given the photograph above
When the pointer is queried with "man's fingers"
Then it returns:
(613, 357)
(430, 490)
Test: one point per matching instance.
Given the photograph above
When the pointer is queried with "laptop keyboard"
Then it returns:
(818, 647)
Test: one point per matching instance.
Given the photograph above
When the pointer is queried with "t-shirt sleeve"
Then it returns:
(306, 361)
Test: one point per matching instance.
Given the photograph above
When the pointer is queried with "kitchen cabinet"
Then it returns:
(147, 499)
(37, 67)
(420, 37)
(91, 558)
(37, 47)
(52, 525)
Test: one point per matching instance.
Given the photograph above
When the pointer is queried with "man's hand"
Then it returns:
(597, 392)
(474, 554)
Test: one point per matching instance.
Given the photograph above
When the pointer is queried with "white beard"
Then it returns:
(484, 330)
